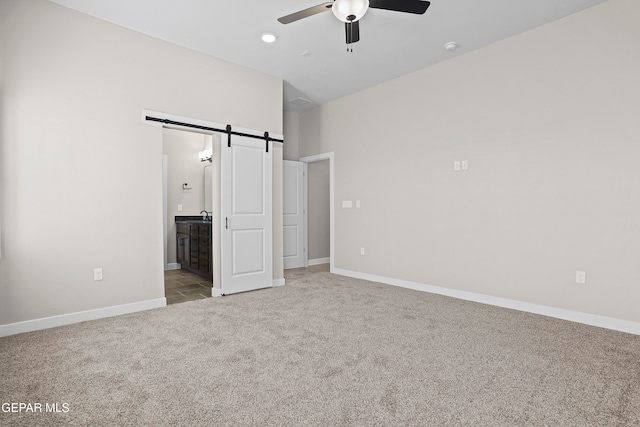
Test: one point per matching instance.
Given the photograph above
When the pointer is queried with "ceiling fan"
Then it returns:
(350, 12)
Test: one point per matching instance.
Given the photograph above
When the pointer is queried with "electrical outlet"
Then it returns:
(456, 165)
(97, 274)
(581, 277)
(465, 165)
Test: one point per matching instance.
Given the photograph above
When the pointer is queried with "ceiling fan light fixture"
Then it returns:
(350, 10)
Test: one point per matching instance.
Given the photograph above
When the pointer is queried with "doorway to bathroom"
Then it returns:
(189, 191)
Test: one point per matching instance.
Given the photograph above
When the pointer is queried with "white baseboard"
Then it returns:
(216, 292)
(318, 261)
(278, 282)
(559, 313)
(82, 316)
(172, 266)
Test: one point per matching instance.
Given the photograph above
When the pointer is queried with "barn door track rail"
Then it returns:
(228, 130)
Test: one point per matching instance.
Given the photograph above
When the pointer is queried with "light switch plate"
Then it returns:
(456, 165)
(581, 277)
(347, 204)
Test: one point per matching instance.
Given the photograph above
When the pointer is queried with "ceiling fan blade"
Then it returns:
(352, 30)
(410, 6)
(323, 7)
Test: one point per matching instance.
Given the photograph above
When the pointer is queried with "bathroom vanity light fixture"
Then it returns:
(205, 155)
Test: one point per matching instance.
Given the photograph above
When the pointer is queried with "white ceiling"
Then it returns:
(391, 43)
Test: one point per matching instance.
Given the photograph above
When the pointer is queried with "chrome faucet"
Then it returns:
(206, 216)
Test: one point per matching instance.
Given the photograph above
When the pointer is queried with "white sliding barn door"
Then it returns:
(246, 215)
(293, 210)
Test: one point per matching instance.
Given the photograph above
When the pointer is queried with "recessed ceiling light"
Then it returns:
(268, 38)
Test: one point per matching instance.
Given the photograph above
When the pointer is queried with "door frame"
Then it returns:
(311, 159)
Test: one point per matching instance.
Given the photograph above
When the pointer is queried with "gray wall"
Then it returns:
(290, 121)
(80, 173)
(548, 122)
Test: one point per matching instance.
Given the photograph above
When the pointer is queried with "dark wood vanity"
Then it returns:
(193, 246)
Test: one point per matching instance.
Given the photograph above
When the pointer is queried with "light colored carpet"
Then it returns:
(325, 350)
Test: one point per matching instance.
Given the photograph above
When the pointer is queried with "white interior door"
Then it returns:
(246, 215)
(293, 210)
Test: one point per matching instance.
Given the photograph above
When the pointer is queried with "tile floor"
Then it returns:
(181, 286)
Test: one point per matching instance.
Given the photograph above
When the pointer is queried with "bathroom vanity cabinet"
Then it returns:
(193, 249)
